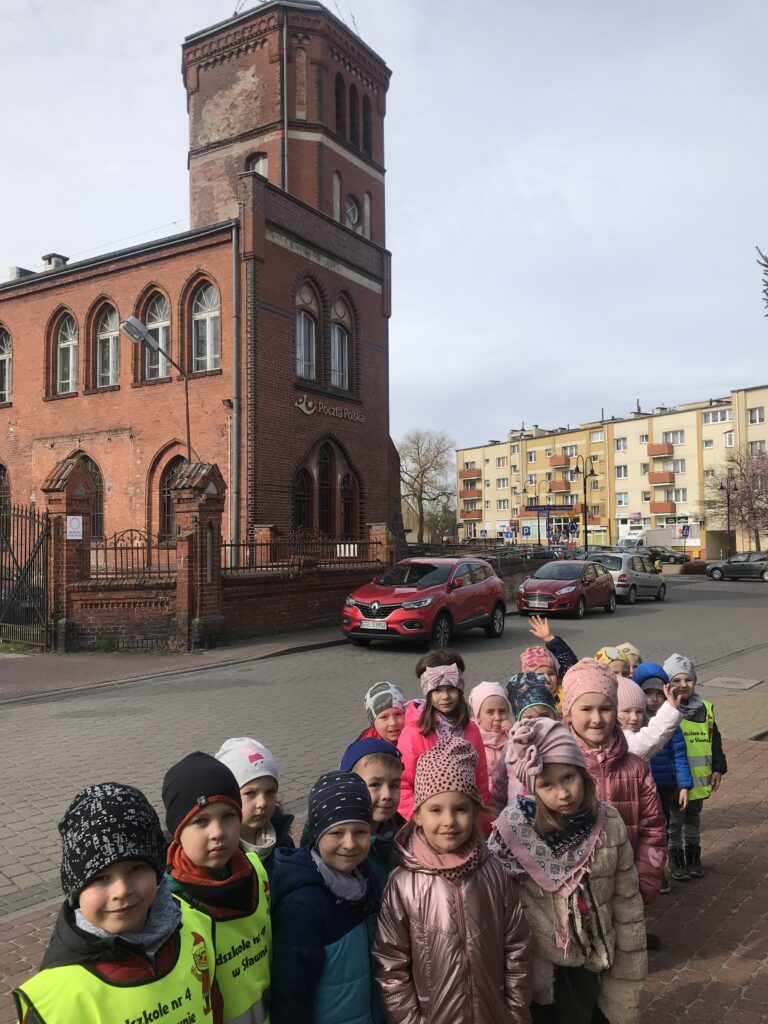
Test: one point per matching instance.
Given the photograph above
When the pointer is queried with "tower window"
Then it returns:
(367, 145)
(258, 163)
(341, 105)
(354, 116)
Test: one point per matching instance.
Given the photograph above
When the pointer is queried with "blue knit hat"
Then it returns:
(362, 748)
(337, 798)
(528, 690)
(650, 676)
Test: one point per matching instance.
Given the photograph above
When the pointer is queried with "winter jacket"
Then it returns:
(625, 781)
(670, 766)
(615, 948)
(322, 972)
(115, 961)
(412, 744)
(452, 952)
(659, 731)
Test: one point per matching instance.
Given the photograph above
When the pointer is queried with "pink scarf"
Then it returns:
(452, 866)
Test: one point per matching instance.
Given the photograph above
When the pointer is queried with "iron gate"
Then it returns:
(24, 536)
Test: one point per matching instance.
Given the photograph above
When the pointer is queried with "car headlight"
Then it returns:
(422, 602)
(520, 589)
(350, 602)
(566, 590)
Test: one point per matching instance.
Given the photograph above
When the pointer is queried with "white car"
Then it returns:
(634, 575)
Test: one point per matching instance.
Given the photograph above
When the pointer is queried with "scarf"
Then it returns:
(495, 740)
(692, 708)
(162, 921)
(446, 726)
(266, 840)
(350, 888)
(221, 897)
(451, 866)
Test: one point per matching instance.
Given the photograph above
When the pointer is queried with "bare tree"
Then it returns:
(426, 461)
(747, 493)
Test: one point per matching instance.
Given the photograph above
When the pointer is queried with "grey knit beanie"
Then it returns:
(677, 664)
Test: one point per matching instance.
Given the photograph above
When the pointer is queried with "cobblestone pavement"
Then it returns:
(306, 706)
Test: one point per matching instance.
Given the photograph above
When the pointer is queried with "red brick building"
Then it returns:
(274, 306)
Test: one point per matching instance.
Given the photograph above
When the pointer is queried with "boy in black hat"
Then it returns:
(325, 898)
(122, 945)
(207, 870)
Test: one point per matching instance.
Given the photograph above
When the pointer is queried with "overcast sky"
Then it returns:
(574, 192)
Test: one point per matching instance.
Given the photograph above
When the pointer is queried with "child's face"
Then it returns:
(494, 711)
(259, 798)
(118, 899)
(345, 847)
(620, 668)
(560, 787)
(445, 699)
(593, 718)
(654, 699)
(682, 684)
(537, 711)
(447, 821)
(383, 782)
(550, 674)
(212, 836)
(631, 719)
(389, 724)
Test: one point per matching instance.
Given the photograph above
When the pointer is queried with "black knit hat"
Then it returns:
(103, 825)
(194, 782)
(335, 799)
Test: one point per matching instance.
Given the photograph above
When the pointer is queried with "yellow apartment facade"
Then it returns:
(648, 471)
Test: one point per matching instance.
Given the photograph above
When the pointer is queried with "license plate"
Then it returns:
(537, 602)
(373, 624)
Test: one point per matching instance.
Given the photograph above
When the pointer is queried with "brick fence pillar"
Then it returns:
(383, 538)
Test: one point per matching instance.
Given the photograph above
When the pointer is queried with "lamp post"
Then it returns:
(140, 334)
(536, 493)
(585, 467)
(729, 486)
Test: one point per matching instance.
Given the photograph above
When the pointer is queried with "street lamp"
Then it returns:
(140, 334)
(535, 487)
(585, 467)
(730, 488)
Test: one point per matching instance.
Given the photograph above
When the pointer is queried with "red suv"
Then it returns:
(426, 599)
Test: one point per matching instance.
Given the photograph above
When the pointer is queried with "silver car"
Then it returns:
(634, 575)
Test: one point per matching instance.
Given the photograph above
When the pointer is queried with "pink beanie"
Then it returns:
(587, 676)
(449, 767)
(534, 742)
(631, 696)
(482, 692)
(533, 657)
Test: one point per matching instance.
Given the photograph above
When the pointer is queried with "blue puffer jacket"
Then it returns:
(323, 972)
(670, 766)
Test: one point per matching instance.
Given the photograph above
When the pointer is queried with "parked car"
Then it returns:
(751, 565)
(669, 555)
(571, 587)
(427, 599)
(634, 575)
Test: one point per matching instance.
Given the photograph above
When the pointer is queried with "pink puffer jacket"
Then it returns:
(412, 745)
(625, 781)
(452, 952)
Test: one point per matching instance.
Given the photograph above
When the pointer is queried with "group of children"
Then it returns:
(482, 858)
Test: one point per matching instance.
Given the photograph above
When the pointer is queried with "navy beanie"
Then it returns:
(648, 672)
(194, 782)
(337, 798)
(362, 748)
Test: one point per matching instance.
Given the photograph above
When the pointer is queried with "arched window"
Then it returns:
(5, 491)
(354, 116)
(66, 356)
(341, 105)
(6, 365)
(366, 126)
(206, 329)
(303, 488)
(167, 530)
(367, 215)
(341, 329)
(97, 518)
(158, 321)
(349, 526)
(336, 195)
(307, 316)
(258, 163)
(107, 348)
(326, 518)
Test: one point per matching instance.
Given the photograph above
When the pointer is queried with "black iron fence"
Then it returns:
(297, 552)
(131, 555)
(24, 536)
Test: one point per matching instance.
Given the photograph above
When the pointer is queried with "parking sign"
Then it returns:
(526, 531)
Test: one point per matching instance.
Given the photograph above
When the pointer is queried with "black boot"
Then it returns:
(677, 866)
(693, 861)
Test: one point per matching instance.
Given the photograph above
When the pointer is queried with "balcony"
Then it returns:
(660, 451)
(477, 514)
(470, 493)
(559, 486)
(560, 461)
(663, 508)
(470, 474)
(661, 478)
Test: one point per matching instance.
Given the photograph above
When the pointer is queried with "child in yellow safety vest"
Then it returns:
(207, 870)
(123, 947)
(706, 758)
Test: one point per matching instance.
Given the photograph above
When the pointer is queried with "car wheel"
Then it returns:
(441, 631)
(580, 608)
(764, 575)
(631, 596)
(661, 593)
(717, 574)
(610, 608)
(359, 641)
(495, 627)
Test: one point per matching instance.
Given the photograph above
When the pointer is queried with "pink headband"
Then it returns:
(534, 742)
(533, 657)
(441, 675)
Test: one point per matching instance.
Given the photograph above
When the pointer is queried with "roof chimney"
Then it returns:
(53, 260)
(17, 273)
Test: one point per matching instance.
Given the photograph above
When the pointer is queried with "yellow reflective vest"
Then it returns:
(73, 994)
(698, 745)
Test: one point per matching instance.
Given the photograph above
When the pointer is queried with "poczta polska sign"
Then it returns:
(310, 408)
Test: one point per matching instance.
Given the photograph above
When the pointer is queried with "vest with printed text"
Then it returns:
(698, 747)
